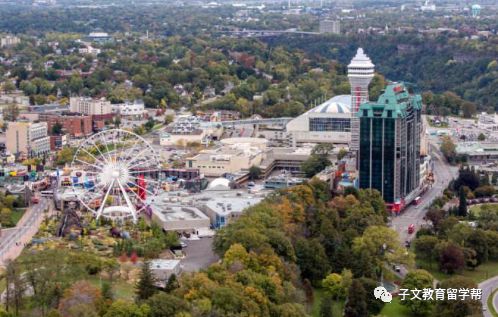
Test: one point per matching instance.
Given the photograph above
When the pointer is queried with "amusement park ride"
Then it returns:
(115, 174)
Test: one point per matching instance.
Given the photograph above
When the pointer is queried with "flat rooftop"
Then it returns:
(163, 264)
(477, 148)
(239, 199)
(228, 205)
(173, 211)
(68, 193)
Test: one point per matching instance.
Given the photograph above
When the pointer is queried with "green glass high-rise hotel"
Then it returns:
(389, 147)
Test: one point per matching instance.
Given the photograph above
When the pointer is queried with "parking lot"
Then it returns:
(468, 130)
(199, 254)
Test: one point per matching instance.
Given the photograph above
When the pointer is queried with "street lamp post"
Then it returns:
(382, 251)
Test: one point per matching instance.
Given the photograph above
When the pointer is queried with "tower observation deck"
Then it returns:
(360, 74)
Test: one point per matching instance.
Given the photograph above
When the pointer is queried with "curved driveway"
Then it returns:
(488, 286)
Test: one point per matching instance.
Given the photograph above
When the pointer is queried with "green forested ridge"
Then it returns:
(437, 64)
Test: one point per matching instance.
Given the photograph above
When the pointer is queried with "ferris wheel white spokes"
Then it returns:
(119, 171)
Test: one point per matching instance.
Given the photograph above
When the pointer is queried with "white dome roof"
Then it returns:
(337, 104)
(219, 184)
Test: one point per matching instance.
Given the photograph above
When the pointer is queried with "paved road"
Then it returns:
(13, 240)
(443, 174)
(487, 287)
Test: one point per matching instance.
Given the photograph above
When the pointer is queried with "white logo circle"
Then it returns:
(380, 292)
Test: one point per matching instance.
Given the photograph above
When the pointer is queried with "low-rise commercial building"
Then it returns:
(197, 212)
(162, 269)
(173, 216)
(488, 122)
(135, 109)
(183, 139)
(236, 154)
(9, 40)
(478, 152)
(188, 129)
(57, 142)
(90, 106)
(99, 37)
(219, 115)
(76, 125)
(330, 26)
(88, 49)
(286, 159)
(223, 209)
(14, 98)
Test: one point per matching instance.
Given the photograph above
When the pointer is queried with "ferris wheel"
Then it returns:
(116, 174)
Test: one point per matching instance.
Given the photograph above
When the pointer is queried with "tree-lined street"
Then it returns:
(12, 241)
(443, 174)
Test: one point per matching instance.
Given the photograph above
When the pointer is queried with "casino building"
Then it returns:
(335, 120)
(329, 122)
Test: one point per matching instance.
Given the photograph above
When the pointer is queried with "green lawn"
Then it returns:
(433, 269)
(395, 309)
(120, 288)
(17, 215)
(337, 307)
(490, 303)
(476, 209)
(481, 273)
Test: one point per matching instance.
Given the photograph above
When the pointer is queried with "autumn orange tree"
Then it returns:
(81, 296)
(305, 227)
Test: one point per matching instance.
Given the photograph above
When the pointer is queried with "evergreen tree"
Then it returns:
(172, 284)
(254, 172)
(106, 291)
(356, 305)
(462, 206)
(146, 287)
